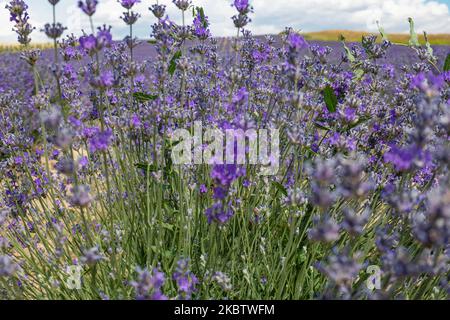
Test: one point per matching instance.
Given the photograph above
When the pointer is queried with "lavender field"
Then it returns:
(185, 166)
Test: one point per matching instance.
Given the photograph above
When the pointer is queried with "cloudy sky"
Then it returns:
(270, 16)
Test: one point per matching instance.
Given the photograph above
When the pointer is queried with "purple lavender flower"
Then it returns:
(92, 44)
(65, 166)
(406, 158)
(4, 213)
(31, 56)
(128, 4)
(16, 8)
(225, 174)
(322, 196)
(130, 18)
(354, 223)
(220, 192)
(340, 268)
(100, 140)
(428, 83)
(88, 6)
(183, 5)
(353, 182)
(104, 37)
(104, 80)
(399, 262)
(81, 196)
(432, 228)
(326, 230)
(83, 162)
(54, 30)
(158, 10)
(91, 256)
(64, 137)
(148, 285)
(201, 27)
(219, 213)
(203, 189)
(88, 43)
(19, 15)
(242, 6)
(241, 20)
(446, 76)
(135, 121)
(296, 41)
(7, 266)
(185, 279)
(386, 240)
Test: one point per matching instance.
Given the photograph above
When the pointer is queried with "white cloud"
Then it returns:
(310, 15)
(270, 16)
(5, 30)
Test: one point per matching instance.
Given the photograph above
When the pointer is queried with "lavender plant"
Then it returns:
(93, 206)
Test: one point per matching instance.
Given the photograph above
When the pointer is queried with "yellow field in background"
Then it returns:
(16, 47)
(355, 36)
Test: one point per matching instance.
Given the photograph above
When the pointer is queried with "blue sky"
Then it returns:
(270, 16)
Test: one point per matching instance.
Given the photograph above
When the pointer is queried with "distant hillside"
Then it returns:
(355, 36)
(15, 47)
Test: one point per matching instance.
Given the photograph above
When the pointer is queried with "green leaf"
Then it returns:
(381, 31)
(359, 73)
(349, 53)
(355, 124)
(173, 62)
(147, 167)
(447, 63)
(321, 120)
(280, 188)
(167, 226)
(143, 97)
(322, 127)
(167, 254)
(428, 45)
(152, 41)
(170, 145)
(311, 151)
(3, 156)
(201, 12)
(330, 99)
(413, 38)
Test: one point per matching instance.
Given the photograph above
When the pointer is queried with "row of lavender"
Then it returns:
(92, 205)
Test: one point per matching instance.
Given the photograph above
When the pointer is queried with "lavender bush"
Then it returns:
(93, 207)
